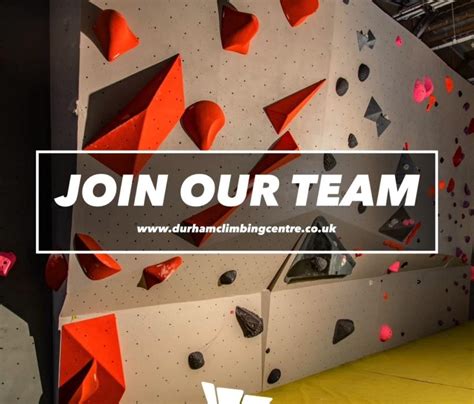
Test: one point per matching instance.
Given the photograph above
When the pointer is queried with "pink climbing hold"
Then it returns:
(385, 333)
(422, 89)
(7, 260)
(395, 267)
(408, 222)
(399, 41)
(458, 156)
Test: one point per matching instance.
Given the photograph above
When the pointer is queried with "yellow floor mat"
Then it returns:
(436, 369)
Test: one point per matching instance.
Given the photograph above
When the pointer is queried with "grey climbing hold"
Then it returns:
(227, 278)
(329, 161)
(374, 113)
(274, 376)
(250, 323)
(405, 166)
(342, 85)
(342, 330)
(308, 267)
(363, 72)
(394, 226)
(352, 141)
(366, 39)
(196, 360)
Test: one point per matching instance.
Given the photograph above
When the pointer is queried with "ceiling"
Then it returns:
(446, 26)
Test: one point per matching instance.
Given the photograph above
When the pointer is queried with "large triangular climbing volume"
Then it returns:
(91, 363)
(144, 123)
(283, 111)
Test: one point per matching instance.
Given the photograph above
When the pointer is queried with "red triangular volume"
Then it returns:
(114, 35)
(95, 266)
(155, 274)
(272, 162)
(237, 29)
(297, 11)
(91, 363)
(282, 112)
(202, 121)
(144, 123)
(213, 216)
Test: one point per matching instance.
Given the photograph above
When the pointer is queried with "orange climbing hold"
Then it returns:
(202, 121)
(297, 11)
(155, 274)
(441, 185)
(237, 29)
(449, 84)
(283, 111)
(114, 34)
(56, 271)
(91, 363)
(96, 266)
(144, 123)
(431, 103)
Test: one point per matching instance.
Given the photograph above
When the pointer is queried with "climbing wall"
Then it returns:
(236, 320)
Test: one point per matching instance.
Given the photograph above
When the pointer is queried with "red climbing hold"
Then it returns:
(237, 29)
(56, 271)
(458, 156)
(272, 162)
(394, 267)
(154, 274)
(283, 111)
(385, 333)
(449, 84)
(441, 185)
(297, 11)
(114, 35)
(202, 122)
(7, 260)
(96, 266)
(144, 123)
(451, 185)
(91, 363)
(470, 128)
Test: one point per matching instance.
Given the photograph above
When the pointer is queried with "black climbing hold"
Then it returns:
(361, 208)
(345, 1)
(329, 161)
(274, 376)
(250, 323)
(227, 278)
(352, 141)
(267, 350)
(342, 85)
(467, 190)
(342, 330)
(466, 106)
(436, 103)
(459, 93)
(394, 226)
(196, 360)
(363, 72)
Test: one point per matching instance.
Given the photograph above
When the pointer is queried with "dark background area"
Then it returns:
(25, 108)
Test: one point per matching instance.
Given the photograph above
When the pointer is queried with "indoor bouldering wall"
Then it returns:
(248, 321)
